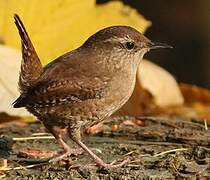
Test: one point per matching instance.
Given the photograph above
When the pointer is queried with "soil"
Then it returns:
(184, 145)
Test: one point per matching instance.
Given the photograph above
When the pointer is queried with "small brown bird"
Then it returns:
(82, 87)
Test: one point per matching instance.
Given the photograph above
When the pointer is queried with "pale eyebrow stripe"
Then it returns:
(117, 39)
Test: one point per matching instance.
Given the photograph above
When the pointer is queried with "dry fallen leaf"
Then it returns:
(196, 104)
(95, 129)
(194, 94)
(197, 100)
(36, 153)
(133, 122)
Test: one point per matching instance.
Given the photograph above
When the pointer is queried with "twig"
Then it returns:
(205, 125)
(129, 153)
(31, 161)
(41, 134)
(33, 138)
(169, 151)
(23, 167)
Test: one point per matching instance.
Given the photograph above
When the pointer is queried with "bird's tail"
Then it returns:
(31, 67)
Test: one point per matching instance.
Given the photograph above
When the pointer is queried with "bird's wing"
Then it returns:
(31, 67)
(62, 92)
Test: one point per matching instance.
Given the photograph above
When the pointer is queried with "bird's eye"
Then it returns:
(129, 45)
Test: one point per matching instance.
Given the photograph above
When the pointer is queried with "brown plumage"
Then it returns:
(84, 86)
(31, 67)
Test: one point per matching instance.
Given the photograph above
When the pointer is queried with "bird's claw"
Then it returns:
(112, 165)
(59, 157)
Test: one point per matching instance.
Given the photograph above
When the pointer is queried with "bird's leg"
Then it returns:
(58, 134)
(98, 160)
(76, 137)
(62, 155)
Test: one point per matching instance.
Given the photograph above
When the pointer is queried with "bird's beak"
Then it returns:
(159, 45)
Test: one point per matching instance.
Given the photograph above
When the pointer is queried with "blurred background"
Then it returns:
(186, 26)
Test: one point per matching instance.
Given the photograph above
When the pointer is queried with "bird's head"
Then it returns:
(122, 45)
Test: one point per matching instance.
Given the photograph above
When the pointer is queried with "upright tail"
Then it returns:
(31, 67)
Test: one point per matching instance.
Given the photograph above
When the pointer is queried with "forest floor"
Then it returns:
(158, 148)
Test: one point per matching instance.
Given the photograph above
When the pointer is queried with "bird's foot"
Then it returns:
(98, 160)
(60, 156)
(112, 165)
(65, 154)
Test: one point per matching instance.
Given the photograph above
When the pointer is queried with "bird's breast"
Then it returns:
(120, 91)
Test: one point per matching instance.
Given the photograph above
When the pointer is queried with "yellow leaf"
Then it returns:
(59, 26)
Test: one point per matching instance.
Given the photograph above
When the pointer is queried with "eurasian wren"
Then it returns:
(84, 86)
